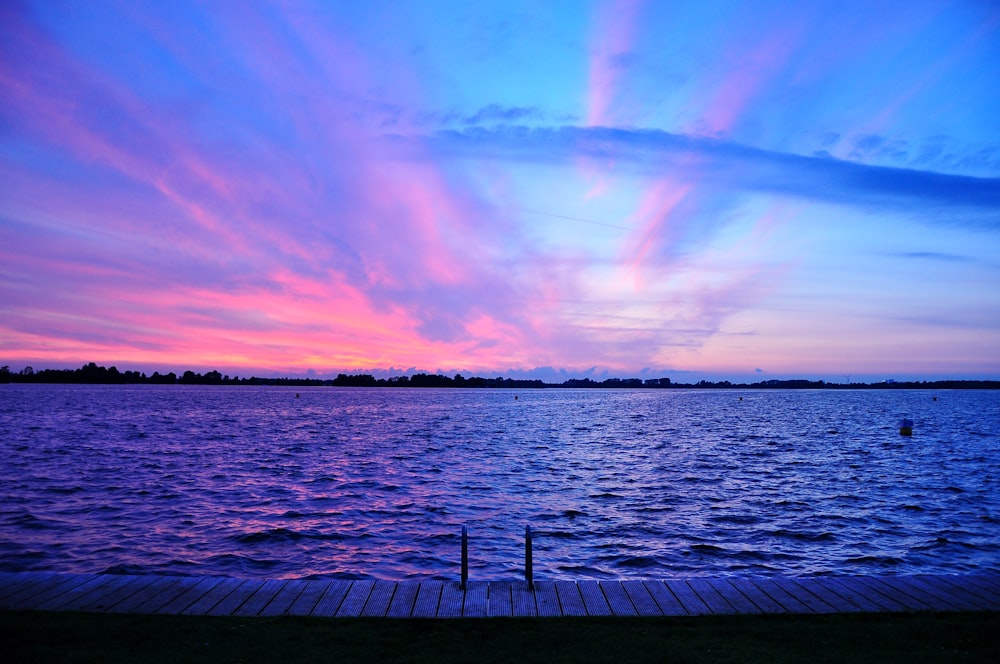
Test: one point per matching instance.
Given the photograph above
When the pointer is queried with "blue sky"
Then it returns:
(697, 190)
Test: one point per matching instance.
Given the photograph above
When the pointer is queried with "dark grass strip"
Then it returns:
(898, 637)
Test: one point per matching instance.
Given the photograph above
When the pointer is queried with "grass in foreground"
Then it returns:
(73, 637)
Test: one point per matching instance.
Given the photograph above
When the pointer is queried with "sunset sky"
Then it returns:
(722, 190)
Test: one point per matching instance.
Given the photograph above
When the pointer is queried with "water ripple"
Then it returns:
(355, 483)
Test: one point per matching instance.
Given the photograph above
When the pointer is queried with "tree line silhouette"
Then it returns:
(91, 373)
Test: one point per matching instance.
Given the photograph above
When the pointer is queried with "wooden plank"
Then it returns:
(688, 598)
(264, 594)
(942, 600)
(46, 588)
(716, 603)
(640, 598)
(159, 593)
(378, 600)
(428, 599)
(815, 603)
(987, 599)
(755, 595)
(72, 599)
(208, 601)
(961, 594)
(593, 598)
(988, 581)
(500, 604)
(476, 600)
(17, 582)
(235, 598)
(860, 595)
(904, 586)
(157, 584)
(818, 586)
(189, 596)
(68, 584)
(546, 599)
(308, 598)
(453, 601)
(329, 603)
(792, 598)
(523, 600)
(896, 600)
(617, 598)
(736, 599)
(30, 587)
(171, 593)
(130, 585)
(355, 599)
(403, 600)
(956, 594)
(972, 586)
(281, 602)
(570, 600)
(665, 600)
(990, 578)
(11, 579)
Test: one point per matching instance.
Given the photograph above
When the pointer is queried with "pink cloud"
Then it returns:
(653, 220)
(612, 39)
(412, 237)
(52, 98)
(750, 71)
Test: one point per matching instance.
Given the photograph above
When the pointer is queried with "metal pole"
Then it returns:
(465, 556)
(529, 574)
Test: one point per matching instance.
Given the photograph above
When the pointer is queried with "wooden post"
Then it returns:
(465, 557)
(529, 574)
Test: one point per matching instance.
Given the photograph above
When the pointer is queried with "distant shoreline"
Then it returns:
(92, 374)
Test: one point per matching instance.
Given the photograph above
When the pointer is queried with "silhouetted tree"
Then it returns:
(189, 377)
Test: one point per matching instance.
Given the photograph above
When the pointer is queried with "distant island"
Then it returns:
(97, 375)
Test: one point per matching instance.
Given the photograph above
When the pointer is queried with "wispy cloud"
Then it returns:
(611, 43)
(934, 256)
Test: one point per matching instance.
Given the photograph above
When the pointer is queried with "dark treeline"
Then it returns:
(93, 374)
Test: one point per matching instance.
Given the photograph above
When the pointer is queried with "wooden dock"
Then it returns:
(225, 596)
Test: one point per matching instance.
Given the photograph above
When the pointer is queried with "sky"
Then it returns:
(701, 190)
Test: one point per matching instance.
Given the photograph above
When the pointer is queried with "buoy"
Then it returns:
(905, 427)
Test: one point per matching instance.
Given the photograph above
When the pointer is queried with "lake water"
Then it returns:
(354, 483)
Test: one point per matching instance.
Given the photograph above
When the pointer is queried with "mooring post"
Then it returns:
(529, 574)
(465, 556)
